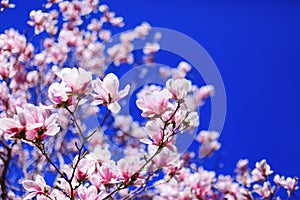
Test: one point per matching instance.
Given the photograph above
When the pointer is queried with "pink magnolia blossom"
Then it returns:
(107, 92)
(85, 168)
(71, 12)
(209, 143)
(262, 171)
(179, 88)
(121, 53)
(154, 103)
(5, 4)
(71, 38)
(95, 25)
(77, 79)
(164, 72)
(151, 48)
(39, 21)
(110, 16)
(105, 35)
(7, 69)
(51, 2)
(142, 30)
(107, 174)
(243, 172)
(128, 166)
(166, 158)
(12, 41)
(177, 74)
(184, 67)
(200, 182)
(279, 180)
(59, 93)
(227, 186)
(89, 193)
(203, 93)
(265, 191)
(157, 136)
(57, 54)
(31, 122)
(36, 187)
(291, 184)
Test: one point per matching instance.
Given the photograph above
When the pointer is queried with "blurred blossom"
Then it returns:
(262, 171)
(209, 143)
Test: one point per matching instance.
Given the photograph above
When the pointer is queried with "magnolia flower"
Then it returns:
(7, 69)
(184, 67)
(157, 135)
(262, 171)
(95, 25)
(59, 93)
(36, 187)
(291, 184)
(154, 103)
(5, 4)
(51, 2)
(89, 193)
(265, 191)
(39, 20)
(279, 180)
(151, 48)
(107, 92)
(209, 143)
(164, 72)
(200, 182)
(30, 122)
(179, 87)
(165, 158)
(85, 168)
(105, 35)
(128, 166)
(243, 172)
(121, 53)
(142, 30)
(107, 174)
(77, 79)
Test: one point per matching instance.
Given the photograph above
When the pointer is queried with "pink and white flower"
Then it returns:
(36, 187)
(265, 191)
(179, 87)
(107, 92)
(262, 171)
(5, 4)
(291, 184)
(89, 193)
(77, 79)
(127, 167)
(59, 93)
(85, 168)
(31, 122)
(154, 103)
(39, 21)
(209, 143)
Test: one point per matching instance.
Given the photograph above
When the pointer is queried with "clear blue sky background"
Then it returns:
(256, 46)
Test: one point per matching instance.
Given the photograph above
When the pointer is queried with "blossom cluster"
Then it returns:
(54, 86)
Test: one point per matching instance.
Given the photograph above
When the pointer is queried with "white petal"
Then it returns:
(114, 107)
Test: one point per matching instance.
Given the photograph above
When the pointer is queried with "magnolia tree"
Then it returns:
(65, 134)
